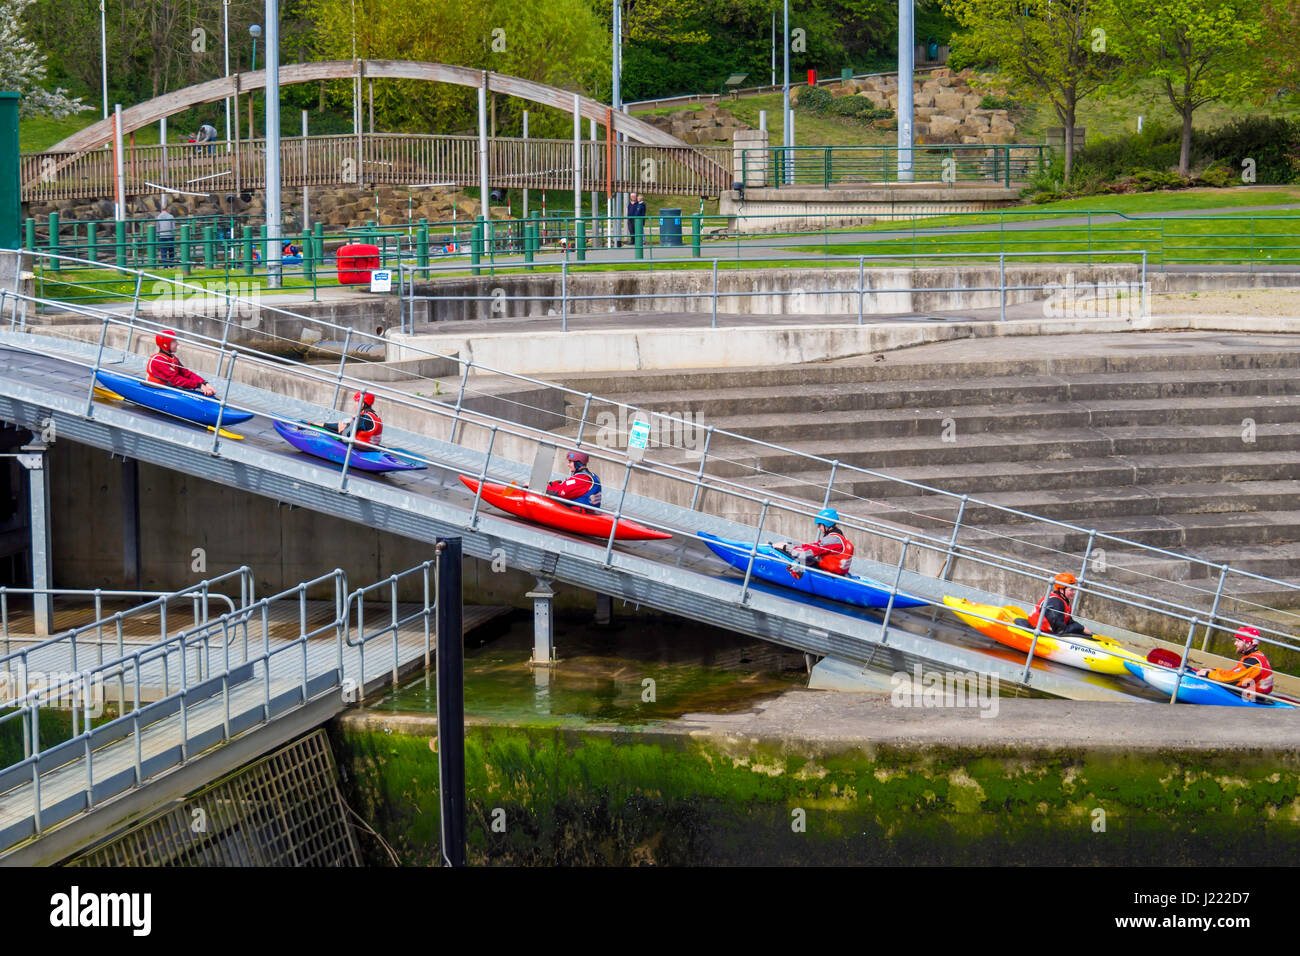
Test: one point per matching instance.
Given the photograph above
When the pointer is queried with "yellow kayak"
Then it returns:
(1009, 626)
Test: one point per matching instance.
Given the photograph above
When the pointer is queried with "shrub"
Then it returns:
(991, 102)
(814, 99)
(1218, 174)
(1268, 140)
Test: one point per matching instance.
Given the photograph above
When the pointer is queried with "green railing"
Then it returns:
(825, 166)
(222, 249)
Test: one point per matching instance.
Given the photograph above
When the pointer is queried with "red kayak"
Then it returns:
(548, 511)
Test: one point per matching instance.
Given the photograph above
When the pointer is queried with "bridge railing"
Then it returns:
(398, 159)
(995, 164)
(723, 483)
(93, 728)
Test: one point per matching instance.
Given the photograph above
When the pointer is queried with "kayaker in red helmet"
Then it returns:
(1057, 608)
(165, 367)
(369, 427)
(831, 552)
(581, 487)
(1253, 674)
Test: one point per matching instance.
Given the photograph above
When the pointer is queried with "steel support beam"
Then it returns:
(543, 624)
(132, 565)
(35, 459)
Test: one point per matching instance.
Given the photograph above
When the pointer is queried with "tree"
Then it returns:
(1053, 48)
(1281, 67)
(1199, 51)
(558, 42)
(22, 67)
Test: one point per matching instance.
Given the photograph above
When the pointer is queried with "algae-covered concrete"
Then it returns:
(820, 778)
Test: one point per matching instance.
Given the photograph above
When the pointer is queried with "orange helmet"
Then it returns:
(1247, 635)
(1064, 580)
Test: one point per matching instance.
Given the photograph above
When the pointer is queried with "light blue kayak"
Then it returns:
(191, 406)
(1193, 689)
(774, 567)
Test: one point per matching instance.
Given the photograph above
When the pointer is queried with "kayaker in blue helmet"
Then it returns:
(831, 552)
(581, 487)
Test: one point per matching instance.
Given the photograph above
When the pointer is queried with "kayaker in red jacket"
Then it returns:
(1253, 674)
(165, 367)
(581, 487)
(831, 552)
(1057, 608)
(370, 426)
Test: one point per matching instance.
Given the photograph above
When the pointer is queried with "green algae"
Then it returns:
(561, 795)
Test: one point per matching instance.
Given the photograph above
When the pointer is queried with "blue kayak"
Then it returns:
(1193, 689)
(191, 406)
(774, 567)
(313, 441)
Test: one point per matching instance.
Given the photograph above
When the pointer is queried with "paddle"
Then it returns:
(226, 434)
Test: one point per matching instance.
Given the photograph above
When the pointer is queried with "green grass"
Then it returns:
(109, 285)
(1259, 240)
(39, 133)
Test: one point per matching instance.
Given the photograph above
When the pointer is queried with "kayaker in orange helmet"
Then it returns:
(1056, 609)
(369, 427)
(581, 487)
(1253, 674)
(831, 552)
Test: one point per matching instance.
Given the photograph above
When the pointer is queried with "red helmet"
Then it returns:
(581, 457)
(1065, 580)
(365, 398)
(165, 339)
(1247, 635)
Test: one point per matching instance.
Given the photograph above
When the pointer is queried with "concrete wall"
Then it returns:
(797, 208)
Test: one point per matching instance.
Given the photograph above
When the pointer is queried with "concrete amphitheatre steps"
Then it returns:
(1140, 435)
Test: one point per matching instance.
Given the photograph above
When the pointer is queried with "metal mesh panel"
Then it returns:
(283, 810)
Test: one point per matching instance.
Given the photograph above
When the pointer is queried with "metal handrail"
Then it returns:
(703, 480)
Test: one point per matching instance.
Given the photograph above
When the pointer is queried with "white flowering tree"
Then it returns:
(22, 67)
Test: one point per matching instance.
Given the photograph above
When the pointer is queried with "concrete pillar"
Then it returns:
(604, 609)
(543, 624)
(33, 458)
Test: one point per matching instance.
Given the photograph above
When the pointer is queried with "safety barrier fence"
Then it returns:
(931, 165)
(183, 672)
(85, 261)
(725, 489)
(1124, 296)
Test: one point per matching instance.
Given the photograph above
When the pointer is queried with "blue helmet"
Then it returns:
(827, 517)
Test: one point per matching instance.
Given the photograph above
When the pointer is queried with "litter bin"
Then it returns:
(355, 262)
(670, 227)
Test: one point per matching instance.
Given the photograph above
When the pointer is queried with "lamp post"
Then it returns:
(255, 31)
(787, 124)
(273, 217)
(906, 55)
(103, 54)
(225, 43)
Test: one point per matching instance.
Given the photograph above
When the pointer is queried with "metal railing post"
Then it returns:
(1002, 282)
(482, 477)
(564, 296)
(1214, 608)
(343, 359)
(952, 541)
(699, 477)
(225, 397)
(1182, 665)
(753, 552)
(99, 359)
(1033, 644)
(582, 422)
(862, 260)
(618, 513)
(826, 500)
(714, 324)
(893, 592)
(460, 400)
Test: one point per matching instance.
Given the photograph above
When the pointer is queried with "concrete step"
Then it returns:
(1077, 505)
(1175, 532)
(892, 454)
(1158, 353)
(778, 426)
(981, 479)
(716, 405)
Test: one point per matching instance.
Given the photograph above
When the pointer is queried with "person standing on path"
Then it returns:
(166, 234)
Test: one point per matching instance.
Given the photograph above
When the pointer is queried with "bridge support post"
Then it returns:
(604, 609)
(543, 624)
(35, 459)
(132, 564)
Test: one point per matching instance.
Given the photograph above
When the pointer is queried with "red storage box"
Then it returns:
(355, 262)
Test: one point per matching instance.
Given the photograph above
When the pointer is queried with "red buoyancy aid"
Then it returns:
(1038, 610)
(370, 435)
(836, 563)
(1264, 679)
